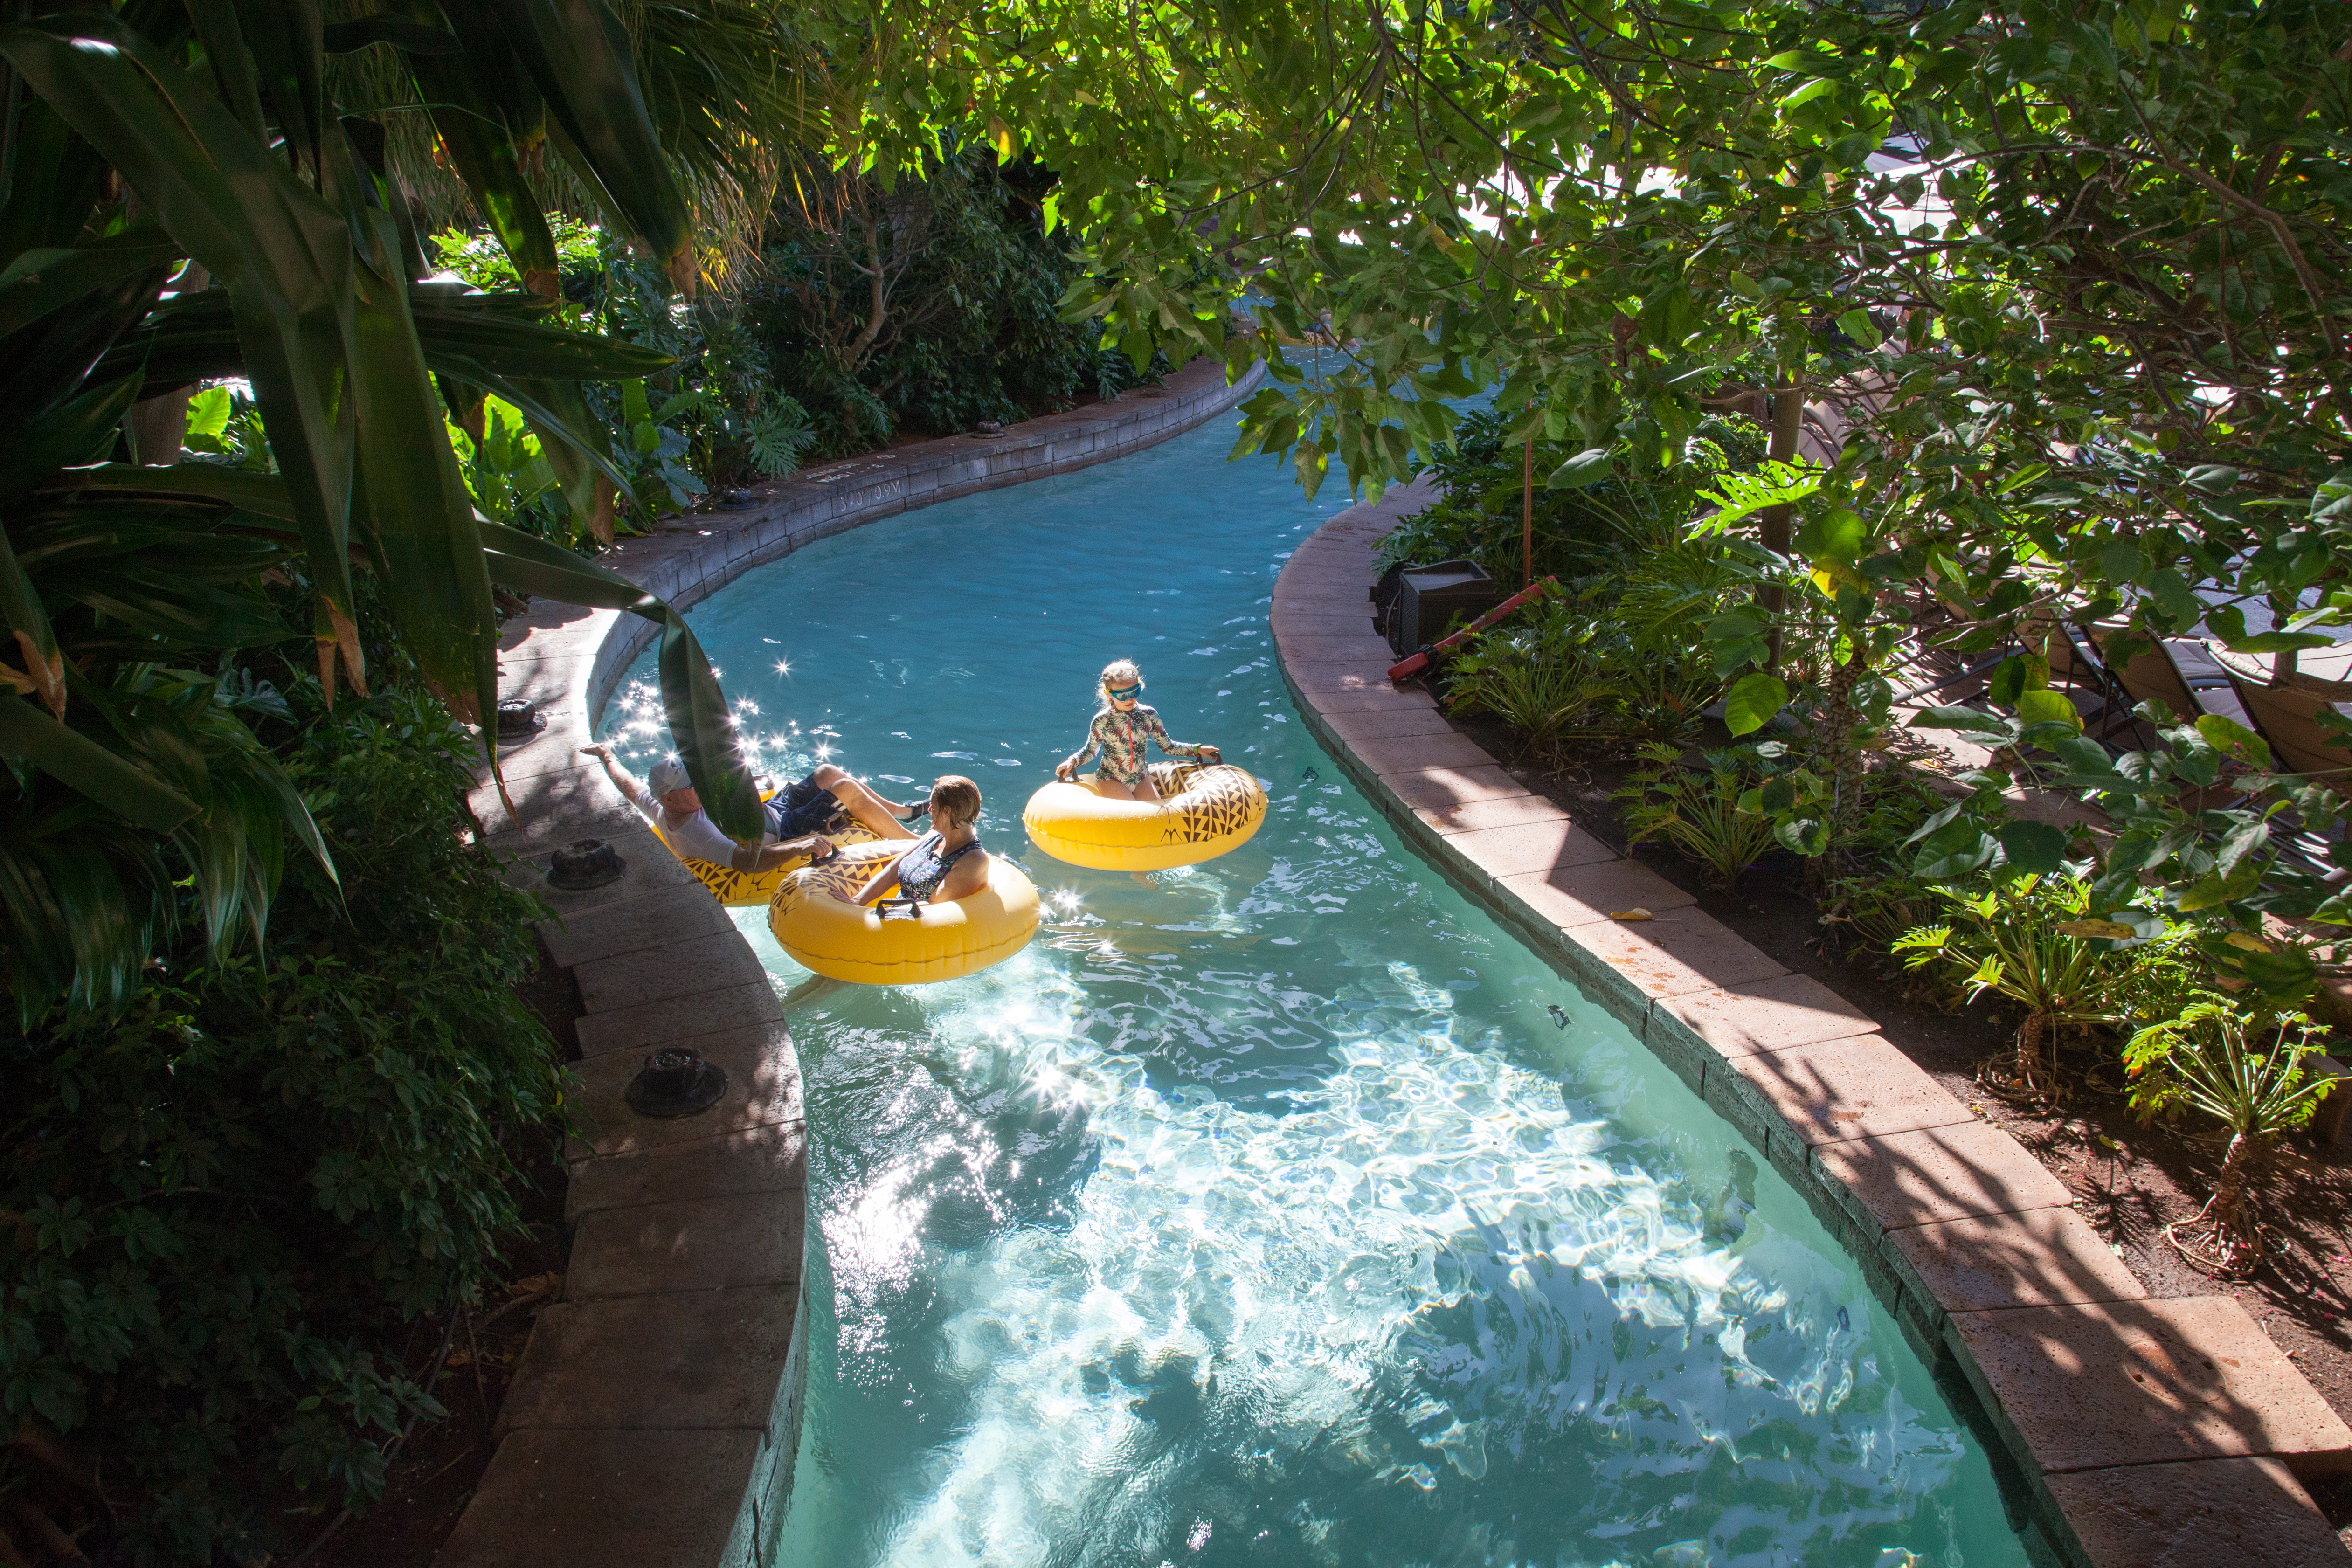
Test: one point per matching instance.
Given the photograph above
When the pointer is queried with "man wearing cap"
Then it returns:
(825, 801)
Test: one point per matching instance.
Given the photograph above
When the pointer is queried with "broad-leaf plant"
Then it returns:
(182, 200)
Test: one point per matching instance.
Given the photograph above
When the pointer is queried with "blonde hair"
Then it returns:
(955, 801)
(1118, 673)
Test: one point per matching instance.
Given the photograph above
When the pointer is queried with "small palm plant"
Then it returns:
(1544, 679)
(2029, 939)
(2246, 1071)
(1697, 811)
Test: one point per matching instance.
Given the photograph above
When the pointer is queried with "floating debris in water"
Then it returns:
(1845, 1324)
(1309, 776)
(1557, 1017)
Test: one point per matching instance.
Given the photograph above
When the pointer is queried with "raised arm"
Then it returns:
(626, 782)
(884, 880)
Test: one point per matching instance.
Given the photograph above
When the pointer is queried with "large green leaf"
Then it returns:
(281, 252)
(481, 146)
(699, 724)
(411, 493)
(72, 758)
(194, 338)
(28, 623)
(218, 23)
(263, 493)
(498, 331)
(579, 55)
(1753, 702)
(71, 434)
(289, 57)
(38, 282)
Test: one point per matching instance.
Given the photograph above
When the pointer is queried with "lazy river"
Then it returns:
(1284, 1209)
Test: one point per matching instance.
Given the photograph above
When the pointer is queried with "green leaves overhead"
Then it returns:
(700, 726)
(282, 254)
(578, 57)
(201, 144)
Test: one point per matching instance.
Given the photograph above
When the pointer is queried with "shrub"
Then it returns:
(2247, 1074)
(1696, 810)
(224, 1199)
(2028, 938)
(1541, 674)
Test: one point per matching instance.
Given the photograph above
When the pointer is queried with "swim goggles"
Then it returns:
(1124, 694)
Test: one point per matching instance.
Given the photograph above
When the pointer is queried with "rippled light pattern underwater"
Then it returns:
(1263, 1212)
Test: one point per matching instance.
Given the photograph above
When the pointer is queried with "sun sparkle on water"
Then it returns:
(1261, 1213)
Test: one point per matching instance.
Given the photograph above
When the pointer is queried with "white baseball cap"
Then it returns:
(668, 774)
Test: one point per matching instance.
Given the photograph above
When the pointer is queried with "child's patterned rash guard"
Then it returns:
(1120, 737)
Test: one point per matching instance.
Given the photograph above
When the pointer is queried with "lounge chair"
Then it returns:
(2159, 677)
(2073, 660)
(2285, 709)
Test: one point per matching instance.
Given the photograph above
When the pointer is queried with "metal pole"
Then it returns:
(1528, 518)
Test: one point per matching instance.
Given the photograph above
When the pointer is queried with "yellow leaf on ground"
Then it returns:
(1631, 914)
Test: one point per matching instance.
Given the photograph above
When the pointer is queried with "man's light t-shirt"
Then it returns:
(697, 838)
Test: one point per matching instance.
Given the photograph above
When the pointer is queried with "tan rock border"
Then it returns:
(654, 1415)
(2147, 1431)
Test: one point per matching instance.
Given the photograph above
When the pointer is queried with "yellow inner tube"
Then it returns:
(750, 889)
(814, 922)
(1202, 813)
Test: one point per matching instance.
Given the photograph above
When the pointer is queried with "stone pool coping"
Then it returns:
(653, 1415)
(2146, 1431)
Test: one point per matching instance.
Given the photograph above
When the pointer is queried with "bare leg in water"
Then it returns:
(877, 814)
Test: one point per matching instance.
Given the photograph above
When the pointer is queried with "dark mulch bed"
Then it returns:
(433, 1476)
(2130, 1180)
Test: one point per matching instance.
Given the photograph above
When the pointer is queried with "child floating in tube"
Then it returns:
(1121, 728)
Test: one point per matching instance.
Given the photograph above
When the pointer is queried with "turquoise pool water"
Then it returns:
(1266, 1212)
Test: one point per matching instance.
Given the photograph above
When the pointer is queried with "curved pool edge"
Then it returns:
(2141, 1430)
(654, 1412)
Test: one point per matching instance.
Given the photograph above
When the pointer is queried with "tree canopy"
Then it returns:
(2072, 280)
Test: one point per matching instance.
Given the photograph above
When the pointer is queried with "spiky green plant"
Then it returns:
(190, 204)
(2028, 938)
(2246, 1071)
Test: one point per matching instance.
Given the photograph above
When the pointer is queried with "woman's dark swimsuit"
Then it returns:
(923, 868)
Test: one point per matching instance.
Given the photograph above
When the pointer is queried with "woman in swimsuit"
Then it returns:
(1123, 726)
(944, 865)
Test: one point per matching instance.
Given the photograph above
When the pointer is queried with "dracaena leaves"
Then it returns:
(109, 573)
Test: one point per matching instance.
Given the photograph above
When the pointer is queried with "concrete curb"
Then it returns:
(2144, 1431)
(654, 1415)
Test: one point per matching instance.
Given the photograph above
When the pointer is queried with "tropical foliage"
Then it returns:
(2246, 1070)
(230, 1200)
(2067, 281)
(190, 206)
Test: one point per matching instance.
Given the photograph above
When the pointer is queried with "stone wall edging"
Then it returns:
(654, 1412)
(2141, 1430)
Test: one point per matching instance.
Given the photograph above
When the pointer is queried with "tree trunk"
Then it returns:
(879, 290)
(1787, 420)
(1528, 518)
(1841, 758)
(2233, 1210)
(2030, 1076)
(158, 426)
